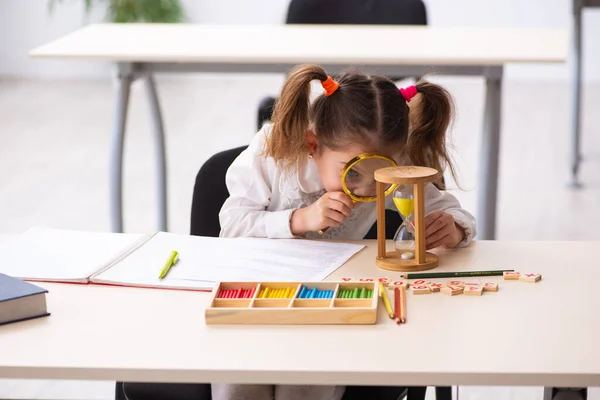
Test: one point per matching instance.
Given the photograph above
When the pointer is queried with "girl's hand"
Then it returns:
(441, 230)
(330, 210)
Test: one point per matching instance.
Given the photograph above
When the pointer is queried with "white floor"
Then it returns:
(55, 138)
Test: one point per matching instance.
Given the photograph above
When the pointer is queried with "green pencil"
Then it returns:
(455, 274)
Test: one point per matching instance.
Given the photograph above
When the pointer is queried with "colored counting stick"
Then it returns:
(314, 293)
(356, 293)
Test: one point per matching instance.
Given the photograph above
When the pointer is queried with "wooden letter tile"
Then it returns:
(366, 280)
(398, 284)
(420, 289)
(490, 287)
(451, 290)
(418, 282)
(512, 276)
(384, 281)
(472, 290)
(435, 287)
(346, 279)
(531, 277)
(456, 283)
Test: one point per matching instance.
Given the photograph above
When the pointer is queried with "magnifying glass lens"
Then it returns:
(360, 178)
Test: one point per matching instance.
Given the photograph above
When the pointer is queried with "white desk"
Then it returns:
(141, 50)
(543, 334)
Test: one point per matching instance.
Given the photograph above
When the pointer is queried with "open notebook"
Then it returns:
(42, 254)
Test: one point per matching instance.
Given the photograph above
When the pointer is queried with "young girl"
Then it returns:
(287, 184)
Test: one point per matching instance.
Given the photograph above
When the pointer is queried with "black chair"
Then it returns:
(205, 222)
(348, 12)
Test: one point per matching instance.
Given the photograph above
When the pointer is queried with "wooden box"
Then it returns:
(293, 310)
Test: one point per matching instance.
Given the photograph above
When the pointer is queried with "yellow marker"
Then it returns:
(261, 293)
(280, 293)
(266, 294)
(404, 206)
(172, 260)
(386, 301)
(292, 292)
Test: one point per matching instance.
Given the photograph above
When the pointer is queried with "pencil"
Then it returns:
(397, 304)
(455, 274)
(402, 305)
(386, 301)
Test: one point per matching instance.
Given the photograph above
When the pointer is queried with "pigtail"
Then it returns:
(431, 114)
(287, 143)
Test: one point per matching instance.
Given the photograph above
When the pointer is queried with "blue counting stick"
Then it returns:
(314, 293)
(330, 294)
(301, 295)
(319, 294)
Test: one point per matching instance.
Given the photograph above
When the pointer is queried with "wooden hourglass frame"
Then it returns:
(408, 175)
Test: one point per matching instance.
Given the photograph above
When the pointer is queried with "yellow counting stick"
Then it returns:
(386, 301)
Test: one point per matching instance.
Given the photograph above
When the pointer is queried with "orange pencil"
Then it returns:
(397, 304)
(402, 305)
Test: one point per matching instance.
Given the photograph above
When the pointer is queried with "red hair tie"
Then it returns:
(330, 86)
(408, 93)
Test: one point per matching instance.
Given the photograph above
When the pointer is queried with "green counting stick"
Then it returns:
(363, 293)
(355, 293)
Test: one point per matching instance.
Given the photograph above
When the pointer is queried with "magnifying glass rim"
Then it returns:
(355, 161)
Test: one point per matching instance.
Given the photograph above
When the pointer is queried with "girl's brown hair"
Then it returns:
(365, 109)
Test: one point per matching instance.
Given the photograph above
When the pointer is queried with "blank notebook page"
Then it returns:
(61, 255)
(206, 260)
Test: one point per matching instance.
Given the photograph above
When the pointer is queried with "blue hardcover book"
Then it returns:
(20, 300)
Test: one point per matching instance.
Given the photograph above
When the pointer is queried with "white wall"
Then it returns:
(25, 24)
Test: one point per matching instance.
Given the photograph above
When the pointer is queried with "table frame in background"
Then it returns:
(576, 59)
(128, 72)
(142, 50)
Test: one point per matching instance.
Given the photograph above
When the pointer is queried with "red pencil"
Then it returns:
(397, 304)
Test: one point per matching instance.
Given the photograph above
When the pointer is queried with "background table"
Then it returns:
(542, 334)
(141, 50)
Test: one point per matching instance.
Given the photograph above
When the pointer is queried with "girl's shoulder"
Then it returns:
(259, 141)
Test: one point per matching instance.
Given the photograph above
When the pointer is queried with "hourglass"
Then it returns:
(409, 197)
(404, 239)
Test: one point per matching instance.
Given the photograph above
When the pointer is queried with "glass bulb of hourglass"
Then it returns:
(404, 239)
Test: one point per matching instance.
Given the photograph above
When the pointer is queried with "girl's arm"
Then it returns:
(249, 182)
(436, 199)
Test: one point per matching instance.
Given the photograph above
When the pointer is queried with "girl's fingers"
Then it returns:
(337, 205)
(433, 217)
(342, 198)
(444, 240)
(437, 235)
(436, 226)
(334, 215)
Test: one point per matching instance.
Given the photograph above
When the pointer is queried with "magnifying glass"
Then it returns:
(358, 177)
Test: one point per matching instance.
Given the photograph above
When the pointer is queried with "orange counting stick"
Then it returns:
(402, 304)
(397, 304)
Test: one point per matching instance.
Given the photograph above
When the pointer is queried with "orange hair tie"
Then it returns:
(330, 86)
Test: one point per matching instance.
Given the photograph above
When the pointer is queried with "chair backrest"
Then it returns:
(210, 192)
(372, 12)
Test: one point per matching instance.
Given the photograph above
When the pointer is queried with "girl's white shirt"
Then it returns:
(262, 198)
